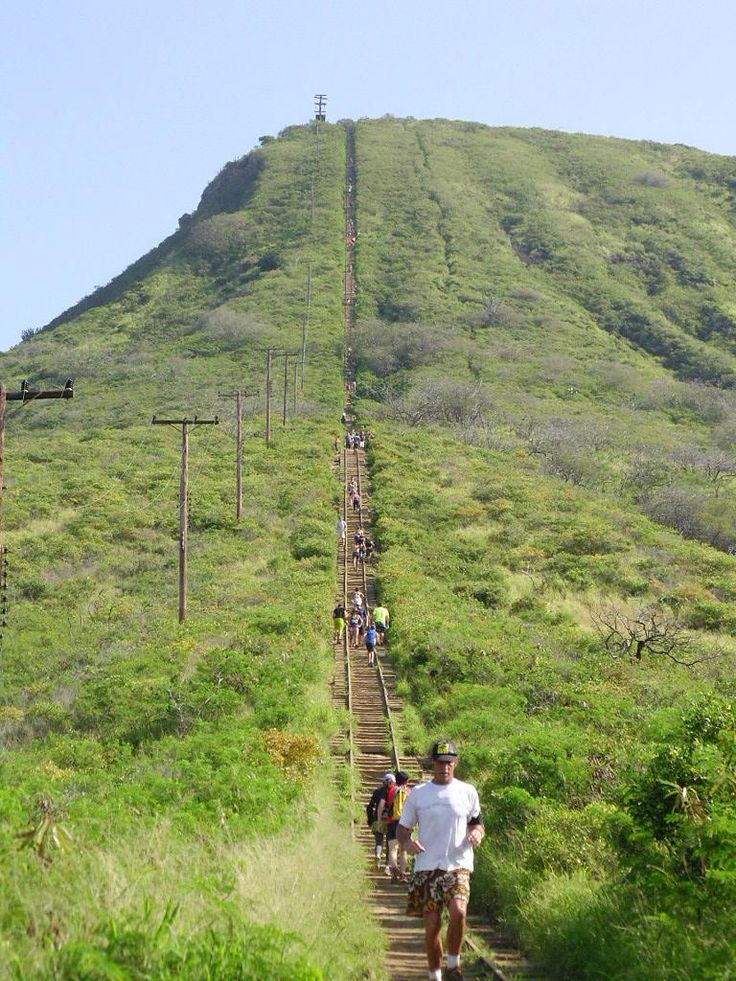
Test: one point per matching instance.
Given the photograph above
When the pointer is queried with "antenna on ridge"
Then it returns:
(320, 104)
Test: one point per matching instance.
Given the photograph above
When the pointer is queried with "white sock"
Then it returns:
(453, 960)
(435, 975)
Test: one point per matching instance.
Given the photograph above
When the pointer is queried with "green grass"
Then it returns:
(545, 355)
(186, 761)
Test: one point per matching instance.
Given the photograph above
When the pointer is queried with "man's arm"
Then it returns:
(403, 836)
(476, 831)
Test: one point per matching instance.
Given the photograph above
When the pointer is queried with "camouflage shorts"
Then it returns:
(429, 891)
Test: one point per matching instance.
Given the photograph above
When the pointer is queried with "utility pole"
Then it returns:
(293, 391)
(286, 385)
(269, 360)
(320, 105)
(238, 396)
(26, 394)
(305, 325)
(287, 355)
(183, 499)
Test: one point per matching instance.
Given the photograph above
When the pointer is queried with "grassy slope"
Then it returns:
(567, 285)
(184, 759)
(601, 252)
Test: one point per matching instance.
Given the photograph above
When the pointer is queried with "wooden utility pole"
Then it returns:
(320, 107)
(269, 361)
(305, 326)
(238, 396)
(26, 394)
(183, 499)
(293, 392)
(286, 385)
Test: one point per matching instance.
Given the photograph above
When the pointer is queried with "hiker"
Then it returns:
(359, 536)
(382, 620)
(341, 527)
(356, 626)
(369, 546)
(338, 620)
(392, 809)
(371, 809)
(371, 638)
(447, 813)
(358, 553)
(356, 502)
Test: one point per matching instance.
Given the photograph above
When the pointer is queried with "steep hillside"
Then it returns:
(185, 760)
(545, 356)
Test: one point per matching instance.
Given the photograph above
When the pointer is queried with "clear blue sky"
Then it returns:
(116, 116)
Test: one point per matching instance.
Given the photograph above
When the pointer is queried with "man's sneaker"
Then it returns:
(379, 861)
(454, 974)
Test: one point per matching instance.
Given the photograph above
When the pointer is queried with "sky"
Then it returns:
(116, 116)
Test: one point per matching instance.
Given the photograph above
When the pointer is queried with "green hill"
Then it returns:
(545, 355)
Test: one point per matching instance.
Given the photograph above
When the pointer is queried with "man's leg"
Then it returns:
(456, 908)
(432, 939)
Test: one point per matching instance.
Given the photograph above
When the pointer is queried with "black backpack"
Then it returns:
(371, 808)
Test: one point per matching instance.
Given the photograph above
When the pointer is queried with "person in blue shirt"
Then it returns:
(371, 639)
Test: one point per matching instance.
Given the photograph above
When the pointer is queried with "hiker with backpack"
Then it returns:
(392, 809)
(371, 811)
(447, 814)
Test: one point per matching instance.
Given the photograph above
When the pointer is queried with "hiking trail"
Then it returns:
(369, 693)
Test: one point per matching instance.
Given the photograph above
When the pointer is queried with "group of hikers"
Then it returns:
(437, 825)
(363, 548)
(355, 440)
(424, 836)
(363, 625)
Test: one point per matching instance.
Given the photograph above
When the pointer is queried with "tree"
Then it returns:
(653, 630)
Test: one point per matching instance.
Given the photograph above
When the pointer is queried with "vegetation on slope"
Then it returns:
(544, 355)
(186, 762)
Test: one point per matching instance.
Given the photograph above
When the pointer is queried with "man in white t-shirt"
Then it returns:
(447, 814)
